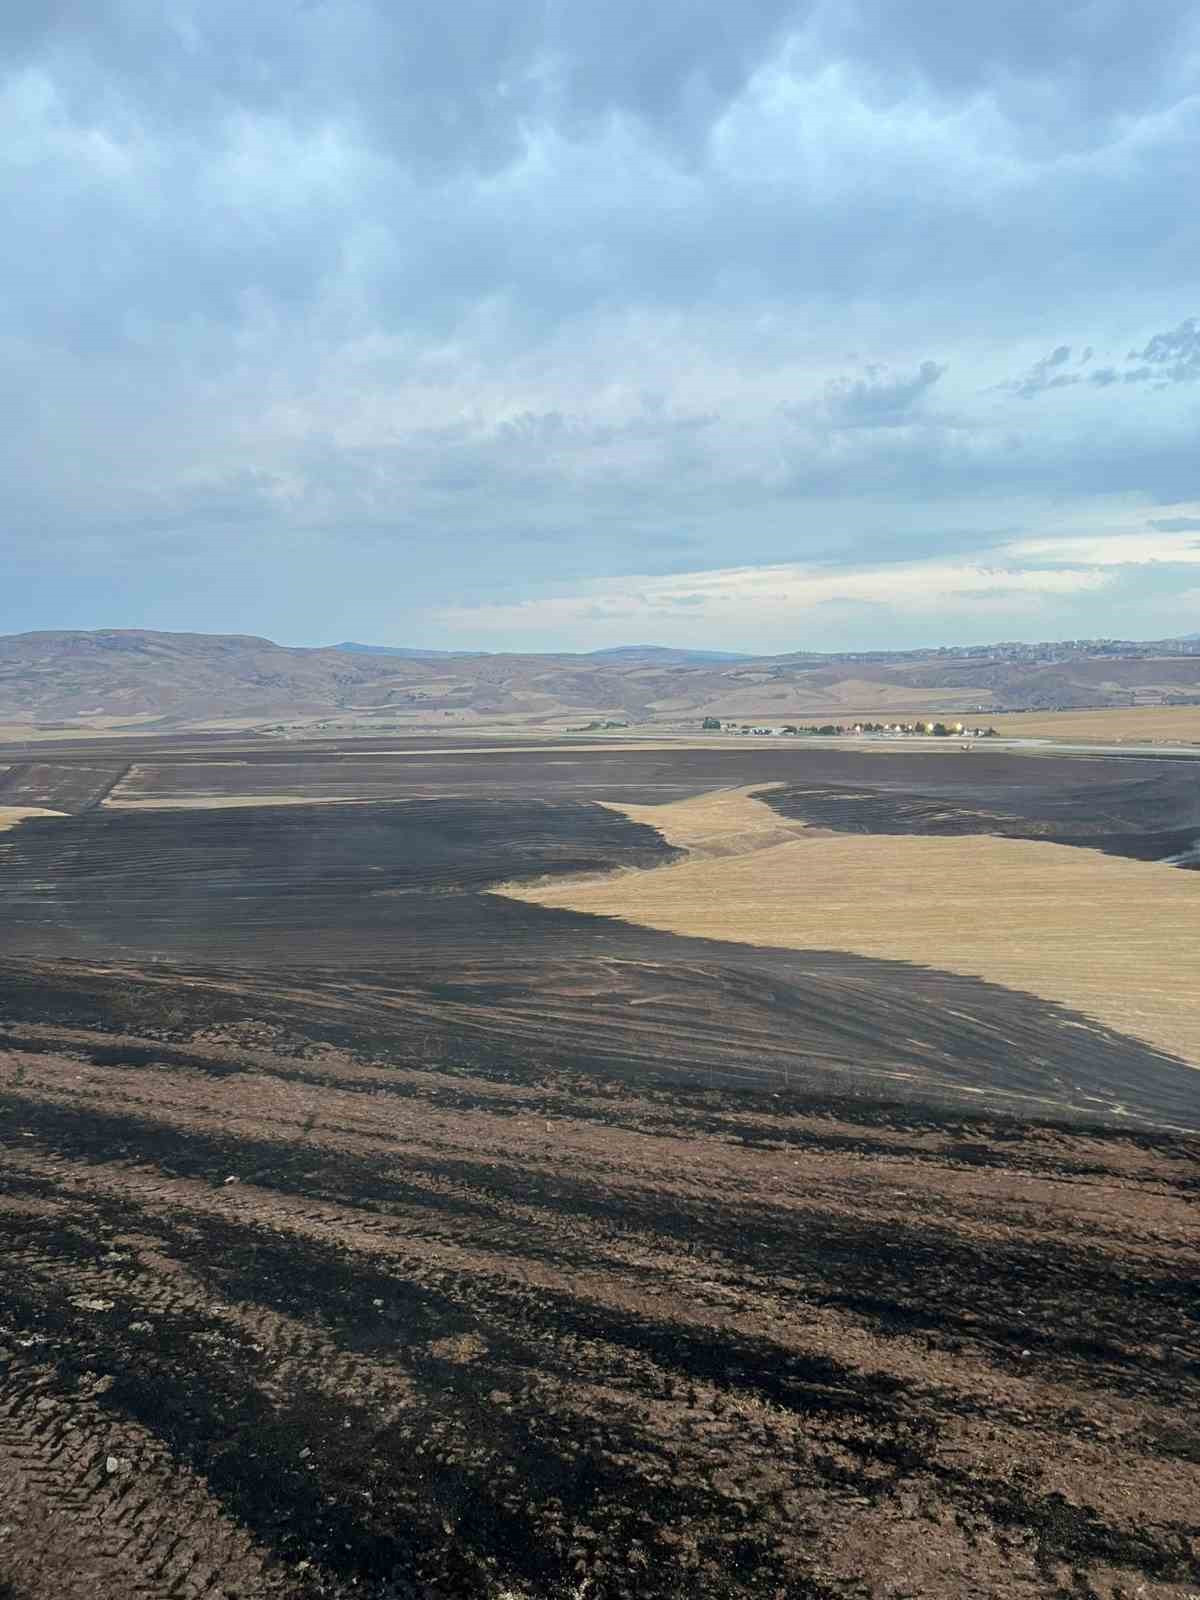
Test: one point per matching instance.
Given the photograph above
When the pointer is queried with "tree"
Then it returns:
(712, 723)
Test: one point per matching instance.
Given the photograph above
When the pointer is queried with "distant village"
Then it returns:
(828, 730)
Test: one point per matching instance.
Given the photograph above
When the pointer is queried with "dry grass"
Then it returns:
(1116, 939)
(11, 815)
(724, 822)
(1139, 724)
(133, 727)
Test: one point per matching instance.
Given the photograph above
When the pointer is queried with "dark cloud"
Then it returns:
(1170, 357)
(1047, 374)
(1173, 357)
(489, 292)
(436, 85)
(1066, 66)
(458, 79)
(879, 400)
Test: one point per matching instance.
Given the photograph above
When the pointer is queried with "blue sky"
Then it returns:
(763, 327)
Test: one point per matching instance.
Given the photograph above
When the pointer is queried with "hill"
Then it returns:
(352, 648)
(662, 652)
(113, 678)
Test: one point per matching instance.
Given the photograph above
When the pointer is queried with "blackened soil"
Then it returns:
(279, 1320)
(161, 770)
(365, 1233)
(119, 877)
(73, 785)
(489, 988)
(376, 925)
(1155, 818)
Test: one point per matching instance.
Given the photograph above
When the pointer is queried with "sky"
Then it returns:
(459, 324)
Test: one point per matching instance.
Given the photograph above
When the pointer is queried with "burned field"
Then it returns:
(367, 1230)
(1152, 818)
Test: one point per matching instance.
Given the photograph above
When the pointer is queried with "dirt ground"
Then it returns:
(278, 1318)
(367, 1233)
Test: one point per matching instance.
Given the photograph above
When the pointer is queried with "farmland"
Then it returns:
(1140, 724)
(470, 1171)
(1067, 924)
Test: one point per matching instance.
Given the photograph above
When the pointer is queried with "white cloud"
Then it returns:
(745, 598)
(1114, 549)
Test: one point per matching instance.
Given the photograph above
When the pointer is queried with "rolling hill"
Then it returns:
(140, 678)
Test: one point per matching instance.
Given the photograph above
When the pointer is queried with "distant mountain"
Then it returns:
(620, 652)
(353, 649)
(663, 652)
(126, 676)
(119, 674)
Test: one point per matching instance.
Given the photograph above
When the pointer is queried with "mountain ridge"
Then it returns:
(115, 677)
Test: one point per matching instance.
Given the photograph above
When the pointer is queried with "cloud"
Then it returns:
(1173, 357)
(424, 306)
(1047, 374)
(782, 597)
(1111, 550)
(878, 400)
(1101, 61)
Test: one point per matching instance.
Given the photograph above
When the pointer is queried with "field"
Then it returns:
(378, 1219)
(1069, 925)
(1138, 724)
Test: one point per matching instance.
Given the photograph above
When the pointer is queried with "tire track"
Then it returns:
(104, 1508)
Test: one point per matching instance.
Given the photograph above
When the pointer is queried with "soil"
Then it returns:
(278, 1318)
(1146, 818)
(385, 915)
(60, 786)
(365, 1233)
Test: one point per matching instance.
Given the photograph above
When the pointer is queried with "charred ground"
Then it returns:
(365, 1232)
(1154, 817)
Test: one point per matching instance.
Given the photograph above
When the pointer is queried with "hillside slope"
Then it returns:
(119, 677)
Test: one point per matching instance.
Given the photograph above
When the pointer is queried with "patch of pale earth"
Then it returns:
(81, 728)
(724, 822)
(10, 816)
(1116, 939)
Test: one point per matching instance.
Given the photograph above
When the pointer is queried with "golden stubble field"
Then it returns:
(11, 815)
(1111, 725)
(1116, 939)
